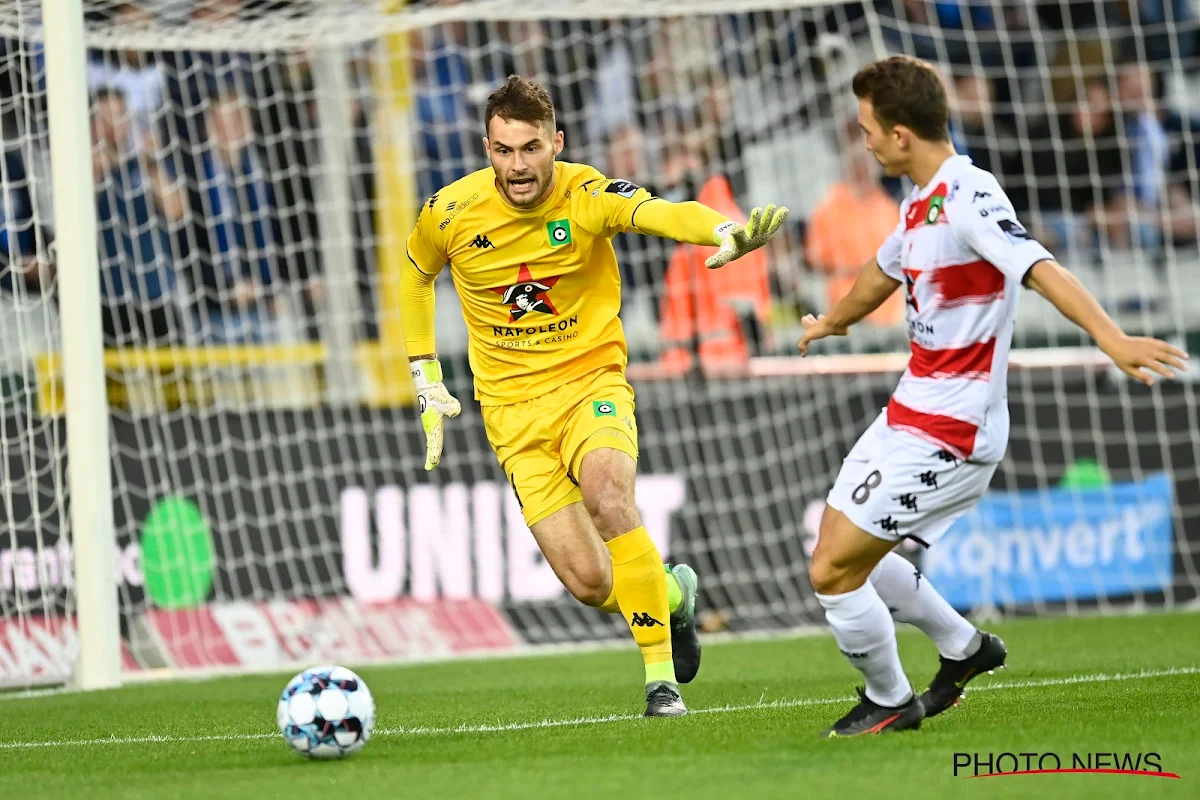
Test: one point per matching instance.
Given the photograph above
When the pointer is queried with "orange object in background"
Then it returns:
(700, 305)
(844, 232)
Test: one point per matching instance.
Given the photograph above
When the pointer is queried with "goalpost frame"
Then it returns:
(89, 470)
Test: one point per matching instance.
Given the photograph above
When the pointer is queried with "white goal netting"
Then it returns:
(257, 165)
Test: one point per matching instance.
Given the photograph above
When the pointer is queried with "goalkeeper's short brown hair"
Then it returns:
(521, 100)
(906, 91)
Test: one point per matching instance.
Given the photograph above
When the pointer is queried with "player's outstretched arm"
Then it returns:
(696, 223)
(417, 307)
(869, 292)
(1140, 357)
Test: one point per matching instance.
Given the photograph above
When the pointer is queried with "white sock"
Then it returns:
(867, 637)
(911, 598)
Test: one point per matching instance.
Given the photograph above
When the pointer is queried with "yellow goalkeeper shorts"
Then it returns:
(542, 442)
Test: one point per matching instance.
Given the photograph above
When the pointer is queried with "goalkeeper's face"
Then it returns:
(889, 145)
(522, 153)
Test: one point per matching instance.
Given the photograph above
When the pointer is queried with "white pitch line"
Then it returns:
(761, 705)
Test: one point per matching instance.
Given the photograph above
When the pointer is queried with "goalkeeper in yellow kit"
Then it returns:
(529, 243)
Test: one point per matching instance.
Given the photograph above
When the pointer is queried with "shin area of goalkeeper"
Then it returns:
(529, 244)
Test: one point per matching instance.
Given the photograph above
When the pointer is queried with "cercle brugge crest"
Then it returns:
(559, 232)
(935, 209)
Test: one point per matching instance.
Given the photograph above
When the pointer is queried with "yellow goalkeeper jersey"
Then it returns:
(540, 287)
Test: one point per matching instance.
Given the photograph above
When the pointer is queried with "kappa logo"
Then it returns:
(908, 501)
(432, 200)
(888, 524)
(643, 620)
(928, 478)
(527, 295)
(980, 195)
(482, 242)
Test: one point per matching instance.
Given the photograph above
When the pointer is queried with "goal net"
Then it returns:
(257, 165)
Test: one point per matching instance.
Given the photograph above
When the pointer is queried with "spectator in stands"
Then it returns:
(26, 263)
(1128, 178)
(135, 203)
(614, 103)
(1083, 178)
(1167, 30)
(192, 76)
(277, 89)
(239, 268)
(638, 256)
(442, 78)
(132, 71)
(1164, 144)
(978, 32)
(535, 50)
(990, 141)
(1144, 129)
(287, 123)
(850, 223)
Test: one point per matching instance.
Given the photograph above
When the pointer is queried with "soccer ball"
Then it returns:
(326, 712)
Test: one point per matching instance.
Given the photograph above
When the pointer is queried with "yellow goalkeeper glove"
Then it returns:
(436, 403)
(742, 239)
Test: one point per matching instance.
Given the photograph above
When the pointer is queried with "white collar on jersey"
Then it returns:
(952, 162)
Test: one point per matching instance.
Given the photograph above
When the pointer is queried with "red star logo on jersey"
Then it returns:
(910, 285)
(527, 295)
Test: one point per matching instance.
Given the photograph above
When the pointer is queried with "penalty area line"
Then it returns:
(510, 727)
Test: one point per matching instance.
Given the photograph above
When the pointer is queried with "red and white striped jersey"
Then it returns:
(962, 256)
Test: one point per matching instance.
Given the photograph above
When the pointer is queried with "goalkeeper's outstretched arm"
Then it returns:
(434, 401)
(696, 223)
(1139, 357)
(426, 258)
(869, 292)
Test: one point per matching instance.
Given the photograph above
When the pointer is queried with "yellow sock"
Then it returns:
(674, 596)
(640, 587)
(610, 605)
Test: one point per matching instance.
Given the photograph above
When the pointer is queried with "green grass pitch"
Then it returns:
(565, 726)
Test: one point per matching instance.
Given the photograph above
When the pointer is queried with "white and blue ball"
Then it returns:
(326, 712)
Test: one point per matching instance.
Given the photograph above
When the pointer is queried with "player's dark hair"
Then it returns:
(520, 100)
(906, 91)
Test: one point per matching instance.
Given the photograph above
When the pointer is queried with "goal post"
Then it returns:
(89, 473)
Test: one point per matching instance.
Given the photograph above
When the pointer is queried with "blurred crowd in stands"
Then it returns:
(207, 164)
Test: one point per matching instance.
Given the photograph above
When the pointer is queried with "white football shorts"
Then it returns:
(895, 485)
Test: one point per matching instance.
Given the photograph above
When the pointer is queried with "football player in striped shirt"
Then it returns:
(962, 258)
